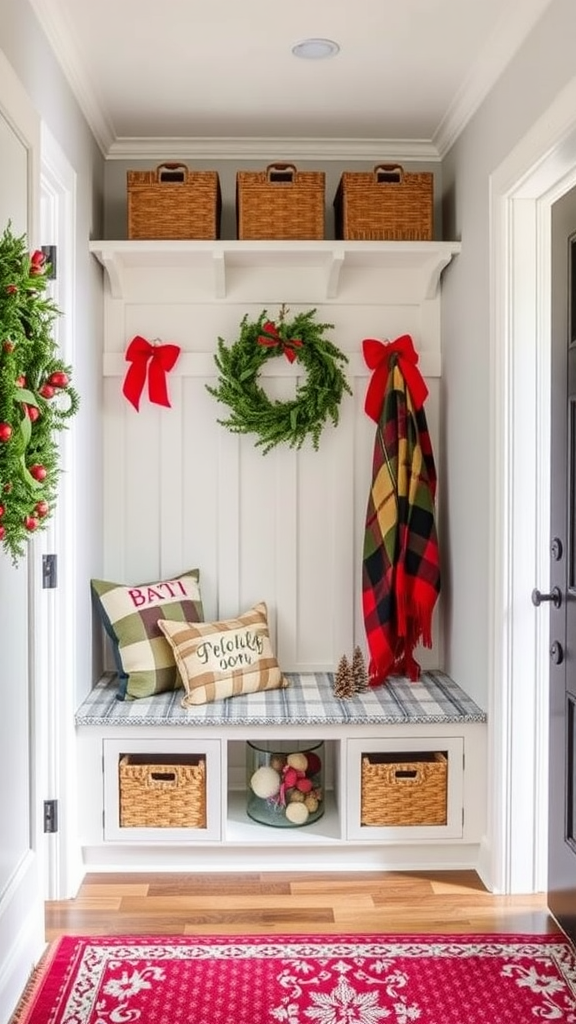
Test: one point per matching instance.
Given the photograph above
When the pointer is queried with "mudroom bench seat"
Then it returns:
(401, 726)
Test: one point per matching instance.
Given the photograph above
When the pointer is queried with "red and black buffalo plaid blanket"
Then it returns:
(400, 569)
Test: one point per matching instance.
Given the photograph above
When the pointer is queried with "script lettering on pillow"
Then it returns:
(217, 660)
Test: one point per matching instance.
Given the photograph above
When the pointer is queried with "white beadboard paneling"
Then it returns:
(181, 491)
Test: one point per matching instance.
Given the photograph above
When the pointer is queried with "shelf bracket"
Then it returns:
(434, 275)
(115, 276)
(334, 269)
(219, 264)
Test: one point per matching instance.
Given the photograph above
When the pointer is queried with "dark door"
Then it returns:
(561, 599)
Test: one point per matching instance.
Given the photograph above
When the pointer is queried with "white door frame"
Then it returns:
(63, 868)
(539, 171)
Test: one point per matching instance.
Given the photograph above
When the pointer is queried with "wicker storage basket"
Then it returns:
(404, 789)
(162, 791)
(174, 202)
(280, 202)
(384, 204)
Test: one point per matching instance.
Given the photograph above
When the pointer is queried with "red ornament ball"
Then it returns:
(5, 431)
(47, 391)
(30, 522)
(41, 508)
(58, 379)
(38, 471)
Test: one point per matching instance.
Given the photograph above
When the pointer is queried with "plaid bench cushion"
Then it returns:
(307, 700)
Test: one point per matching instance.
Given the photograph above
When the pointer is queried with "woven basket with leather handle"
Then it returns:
(384, 204)
(280, 202)
(174, 202)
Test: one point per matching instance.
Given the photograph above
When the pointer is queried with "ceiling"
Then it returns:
(217, 75)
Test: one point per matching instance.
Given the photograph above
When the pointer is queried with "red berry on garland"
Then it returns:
(47, 391)
(30, 522)
(8, 346)
(2, 510)
(37, 261)
(2, 532)
(41, 508)
(32, 412)
(38, 471)
(20, 381)
(59, 379)
(11, 288)
(5, 431)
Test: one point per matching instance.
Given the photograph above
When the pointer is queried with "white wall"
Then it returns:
(541, 68)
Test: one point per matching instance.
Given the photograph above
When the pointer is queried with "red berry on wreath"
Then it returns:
(58, 379)
(2, 510)
(47, 391)
(32, 412)
(20, 381)
(2, 532)
(8, 346)
(30, 522)
(5, 431)
(38, 471)
(7, 488)
(41, 508)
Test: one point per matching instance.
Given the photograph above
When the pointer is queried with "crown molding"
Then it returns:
(267, 149)
(66, 52)
(509, 35)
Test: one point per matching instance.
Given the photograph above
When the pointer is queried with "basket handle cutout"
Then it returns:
(172, 172)
(163, 776)
(280, 172)
(388, 174)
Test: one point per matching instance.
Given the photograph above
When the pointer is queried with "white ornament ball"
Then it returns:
(265, 782)
(298, 761)
(297, 813)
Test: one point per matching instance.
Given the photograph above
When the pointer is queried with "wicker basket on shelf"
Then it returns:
(404, 789)
(162, 791)
(384, 204)
(281, 203)
(174, 202)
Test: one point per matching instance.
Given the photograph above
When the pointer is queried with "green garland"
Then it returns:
(36, 397)
(317, 398)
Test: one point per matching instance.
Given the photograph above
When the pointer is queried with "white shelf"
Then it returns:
(420, 263)
(242, 830)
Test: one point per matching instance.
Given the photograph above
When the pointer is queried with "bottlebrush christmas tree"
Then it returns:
(36, 395)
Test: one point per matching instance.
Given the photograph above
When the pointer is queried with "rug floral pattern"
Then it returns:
(308, 980)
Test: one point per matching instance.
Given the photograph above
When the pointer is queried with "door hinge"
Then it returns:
(50, 815)
(50, 252)
(49, 572)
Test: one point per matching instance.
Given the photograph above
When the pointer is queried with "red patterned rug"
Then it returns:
(316, 979)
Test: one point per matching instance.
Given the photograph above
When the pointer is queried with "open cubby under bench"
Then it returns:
(392, 736)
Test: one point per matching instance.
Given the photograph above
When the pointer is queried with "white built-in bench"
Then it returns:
(433, 714)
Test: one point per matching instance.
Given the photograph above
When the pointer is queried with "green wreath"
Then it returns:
(317, 398)
(36, 397)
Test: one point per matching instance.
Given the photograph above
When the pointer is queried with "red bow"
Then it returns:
(271, 338)
(377, 357)
(161, 359)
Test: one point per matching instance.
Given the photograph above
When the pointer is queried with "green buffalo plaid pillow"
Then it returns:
(144, 658)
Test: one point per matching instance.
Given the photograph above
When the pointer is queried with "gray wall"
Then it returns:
(541, 68)
(26, 48)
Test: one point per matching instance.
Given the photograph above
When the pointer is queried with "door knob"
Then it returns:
(555, 596)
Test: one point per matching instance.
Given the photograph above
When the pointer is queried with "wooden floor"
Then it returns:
(220, 904)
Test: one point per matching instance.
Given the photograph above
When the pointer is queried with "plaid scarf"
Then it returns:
(400, 569)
